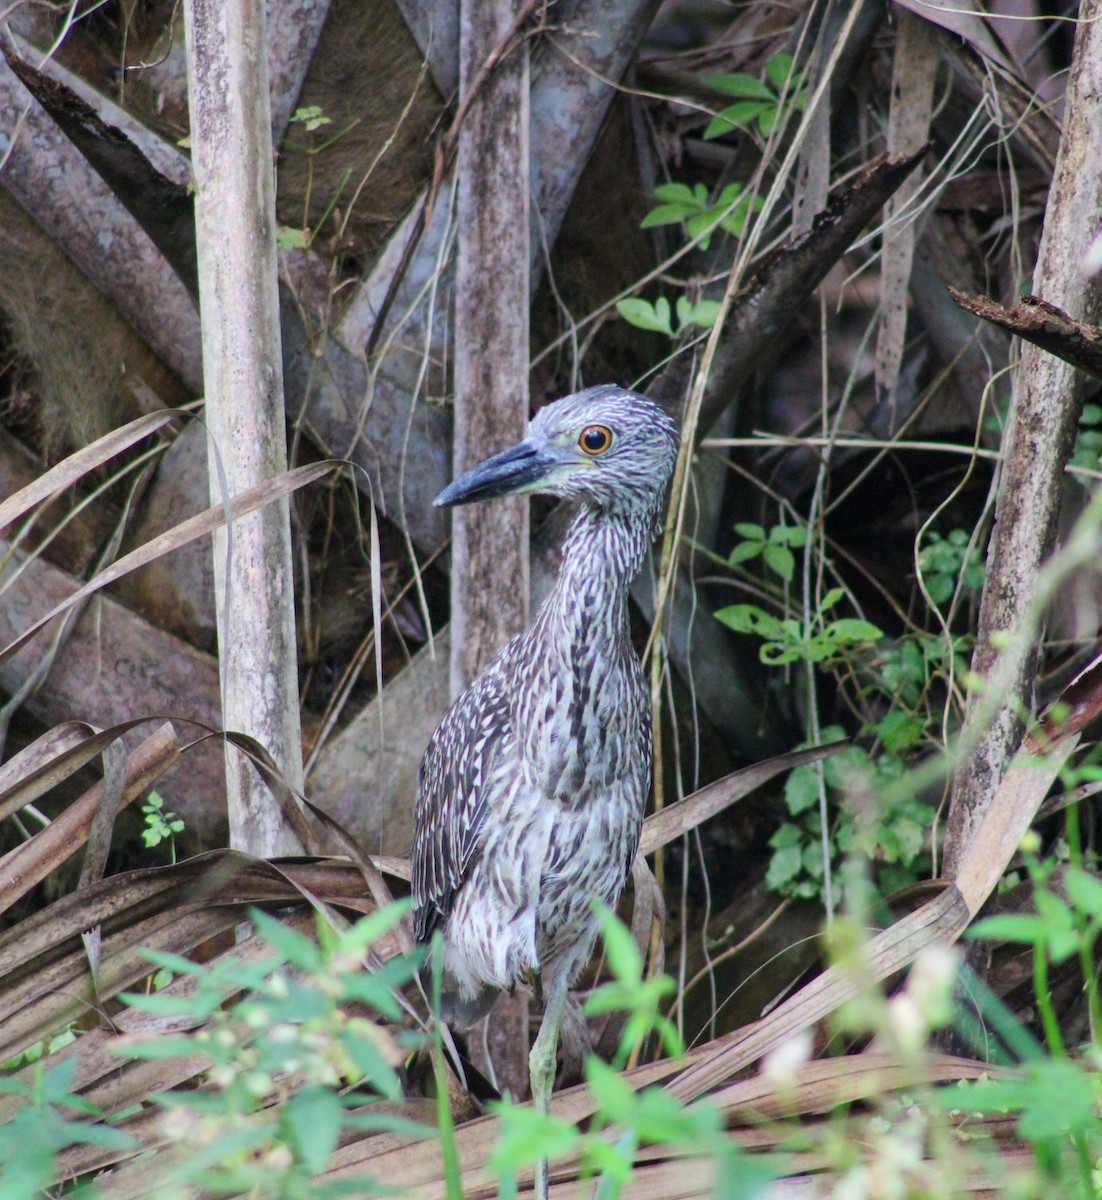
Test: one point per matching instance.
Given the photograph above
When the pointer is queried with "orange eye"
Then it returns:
(595, 439)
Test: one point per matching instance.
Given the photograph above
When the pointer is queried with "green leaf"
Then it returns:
(778, 69)
(684, 309)
(910, 838)
(161, 1047)
(659, 1117)
(794, 536)
(1024, 928)
(678, 193)
(668, 214)
(780, 654)
(289, 238)
(704, 313)
(737, 116)
(175, 962)
(749, 530)
(614, 1097)
(780, 560)
(899, 731)
(749, 618)
(368, 930)
(744, 551)
(801, 789)
(787, 835)
(744, 86)
(311, 116)
(296, 948)
(940, 587)
(1064, 1100)
(702, 226)
(784, 866)
(373, 1067)
(527, 1135)
(159, 1004)
(847, 630)
(624, 960)
(644, 315)
(1084, 890)
(312, 1121)
(1062, 938)
(609, 997)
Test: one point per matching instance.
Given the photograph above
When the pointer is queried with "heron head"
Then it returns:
(607, 446)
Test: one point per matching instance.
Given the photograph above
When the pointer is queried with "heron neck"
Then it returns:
(602, 553)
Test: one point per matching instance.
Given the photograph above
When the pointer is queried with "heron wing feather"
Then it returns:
(453, 798)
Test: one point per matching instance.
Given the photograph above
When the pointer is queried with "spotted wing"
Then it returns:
(453, 798)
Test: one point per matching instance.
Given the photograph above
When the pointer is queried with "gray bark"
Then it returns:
(490, 541)
(235, 234)
(49, 177)
(293, 29)
(117, 667)
(434, 25)
(1046, 403)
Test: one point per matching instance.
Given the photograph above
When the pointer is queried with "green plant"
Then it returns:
(630, 992)
(160, 826)
(1058, 1096)
(763, 102)
(1058, 929)
(626, 1118)
(310, 118)
(790, 639)
(945, 562)
(1088, 442)
(39, 1050)
(906, 668)
(296, 1056)
(775, 547)
(891, 838)
(658, 317)
(694, 208)
(50, 1119)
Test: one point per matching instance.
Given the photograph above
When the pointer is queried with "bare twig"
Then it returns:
(1035, 320)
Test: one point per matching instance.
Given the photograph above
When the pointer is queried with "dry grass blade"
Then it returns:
(45, 981)
(220, 877)
(285, 795)
(820, 1086)
(940, 920)
(51, 759)
(25, 866)
(407, 1165)
(76, 466)
(187, 531)
(37, 756)
(677, 819)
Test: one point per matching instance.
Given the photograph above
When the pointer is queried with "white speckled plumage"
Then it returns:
(532, 790)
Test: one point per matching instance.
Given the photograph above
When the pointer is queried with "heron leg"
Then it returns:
(542, 1060)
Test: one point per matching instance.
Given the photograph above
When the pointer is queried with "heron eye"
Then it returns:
(595, 439)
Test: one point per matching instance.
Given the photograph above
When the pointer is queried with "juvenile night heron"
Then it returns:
(532, 789)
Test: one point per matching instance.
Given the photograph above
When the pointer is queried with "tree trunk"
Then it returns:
(490, 541)
(1047, 400)
(235, 234)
